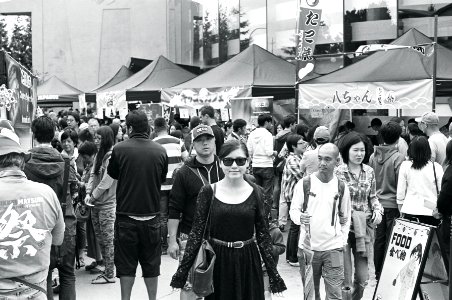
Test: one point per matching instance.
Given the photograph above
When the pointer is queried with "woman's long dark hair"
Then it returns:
(107, 141)
(419, 152)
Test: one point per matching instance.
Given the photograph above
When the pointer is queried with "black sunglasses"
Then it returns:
(240, 161)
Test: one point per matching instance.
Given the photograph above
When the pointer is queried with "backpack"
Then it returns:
(338, 196)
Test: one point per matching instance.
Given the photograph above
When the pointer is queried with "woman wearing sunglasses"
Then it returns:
(237, 211)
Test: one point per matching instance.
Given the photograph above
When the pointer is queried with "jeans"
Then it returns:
(276, 189)
(292, 242)
(264, 178)
(361, 268)
(66, 269)
(164, 199)
(382, 235)
(186, 293)
(329, 265)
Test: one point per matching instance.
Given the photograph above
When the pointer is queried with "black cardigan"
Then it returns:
(445, 196)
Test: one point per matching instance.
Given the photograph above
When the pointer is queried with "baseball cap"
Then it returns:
(9, 142)
(322, 132)
(428, 118)
(202, 130)
(83, 126)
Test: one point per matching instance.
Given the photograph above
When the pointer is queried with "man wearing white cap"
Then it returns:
(31, 221)
(310, 162)
(428, 123)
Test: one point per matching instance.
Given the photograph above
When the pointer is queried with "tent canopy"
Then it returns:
(254, 71)
(400, 78)
(55, 90)
(122, 74)
(161, 73)
(395, 65)
(254, 66)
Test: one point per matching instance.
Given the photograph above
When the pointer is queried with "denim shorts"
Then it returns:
(137, 241)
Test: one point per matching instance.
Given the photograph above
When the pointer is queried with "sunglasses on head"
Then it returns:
(240, 161)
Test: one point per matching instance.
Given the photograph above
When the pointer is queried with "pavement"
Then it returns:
(291, 276)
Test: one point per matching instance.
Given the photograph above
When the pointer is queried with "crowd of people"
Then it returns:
(129, 192)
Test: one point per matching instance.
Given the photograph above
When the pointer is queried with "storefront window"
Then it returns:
(253, 23)
(229, 29)
(420, 15)
(362, 17)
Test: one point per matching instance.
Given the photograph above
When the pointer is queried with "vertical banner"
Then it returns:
(250, 108)
(308, 26)
(404, 261)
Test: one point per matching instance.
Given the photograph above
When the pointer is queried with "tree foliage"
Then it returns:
(20, 44)
(4, 39)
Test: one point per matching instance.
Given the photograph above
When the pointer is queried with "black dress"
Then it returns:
(237, 272)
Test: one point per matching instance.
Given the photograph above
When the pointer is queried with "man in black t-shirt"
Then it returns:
(208, 118)
(140, 166)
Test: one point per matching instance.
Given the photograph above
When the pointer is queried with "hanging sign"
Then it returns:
(111, 102)
(413, 94)
(308, 27)
(250, 108)
(404, 261)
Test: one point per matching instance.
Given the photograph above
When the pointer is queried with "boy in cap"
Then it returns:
(199, 170)
(429, 124)
(32, 221)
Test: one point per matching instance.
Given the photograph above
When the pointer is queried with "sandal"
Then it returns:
(102, 279)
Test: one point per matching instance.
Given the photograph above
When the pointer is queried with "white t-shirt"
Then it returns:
(438, 143)
(320, 207)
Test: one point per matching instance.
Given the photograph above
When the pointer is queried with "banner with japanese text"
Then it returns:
(308, 28)
(413, 94)
(404, 261)
(218, 98)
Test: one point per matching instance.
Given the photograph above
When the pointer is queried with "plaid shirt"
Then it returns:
(290, 176)
(363, 194)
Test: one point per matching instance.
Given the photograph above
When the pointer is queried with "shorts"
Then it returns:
(137, 241)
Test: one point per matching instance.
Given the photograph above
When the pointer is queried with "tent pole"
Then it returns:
(435, 58)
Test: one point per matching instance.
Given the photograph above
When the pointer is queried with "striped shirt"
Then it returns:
(174, 148)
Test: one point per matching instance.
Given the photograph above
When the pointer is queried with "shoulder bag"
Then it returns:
(202, 269)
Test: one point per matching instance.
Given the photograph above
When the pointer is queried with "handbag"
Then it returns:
(202, 268)
(82, 212)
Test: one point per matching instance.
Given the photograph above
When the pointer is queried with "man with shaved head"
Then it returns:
(321, 206)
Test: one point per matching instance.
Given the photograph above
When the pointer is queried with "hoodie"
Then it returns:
(186, 188)
(386, 161)
(260, 147)
(46, 165)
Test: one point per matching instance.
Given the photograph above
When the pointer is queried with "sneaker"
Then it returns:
(294, 264)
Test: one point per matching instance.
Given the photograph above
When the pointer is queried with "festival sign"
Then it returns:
(404, 261)
(308, 27)
(152, 111)
(250, 108)
(413, 94)
(18, 97)
(218, 98)
(111, 102)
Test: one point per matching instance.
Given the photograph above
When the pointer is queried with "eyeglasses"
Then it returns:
(240, 161)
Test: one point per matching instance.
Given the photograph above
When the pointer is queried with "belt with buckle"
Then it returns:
(237, 245)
